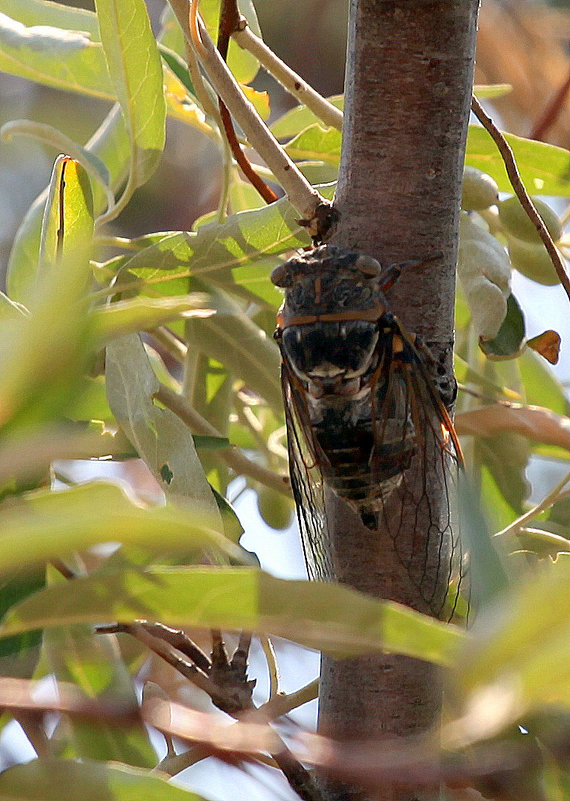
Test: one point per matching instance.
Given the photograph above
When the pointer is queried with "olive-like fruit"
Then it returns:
(517, 223)
(532, 259)
(479, 190)
(275, 509)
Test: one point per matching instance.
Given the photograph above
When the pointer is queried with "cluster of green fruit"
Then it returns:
(495, 237)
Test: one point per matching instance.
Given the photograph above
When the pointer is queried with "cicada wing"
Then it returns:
(416, 505)
(306, 478)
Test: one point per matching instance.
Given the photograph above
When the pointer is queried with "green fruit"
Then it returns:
(532, 260)
(479, 190)
(275, 509)
(517, 223)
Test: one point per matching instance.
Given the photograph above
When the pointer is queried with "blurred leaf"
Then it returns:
(130, 316)
(44, 780)
(506, 456)
(136, 72)
(541, 386)
(46, 524)
(178, 66)
(544, 168)
(316, 142)
(486, 572)
(42, 354)
(110, 144)
(299, 118)
(76, 654)
(38, 12)
(158, 435)
(14, 588)
(509, 341)
(492, 90)
(233, 339)
(64, 59)
(55, 138)
(520, 652)
(532, 422)
(91, 403)
(330, 617)
(259, 100)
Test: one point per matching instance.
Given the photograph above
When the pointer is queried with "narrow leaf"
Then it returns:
(329, 617)
(43, 780)
(136, 72)
(158, 435)
(47, 524)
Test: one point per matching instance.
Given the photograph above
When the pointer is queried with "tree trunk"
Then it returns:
(407, 96)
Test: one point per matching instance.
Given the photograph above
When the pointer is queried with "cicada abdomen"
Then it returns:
(361, 407)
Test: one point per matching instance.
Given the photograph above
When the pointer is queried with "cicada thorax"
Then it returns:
(343, 348)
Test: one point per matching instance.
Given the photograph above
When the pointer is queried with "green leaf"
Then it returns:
(44, 780)
(522, 650)
(130, 316)
(492, 90)
(233, 339)
(34, 384)
(243, 65)
(316, 142)
(38, 12)
(544, 168)
(299, 118)
(110, 144)
(47, 524)
(541, 387)
(63, 59)
(246, 241)
(509, 341)
(333, 618)
(158, 435)
(15, 588)
(76, 654)
(136, 72)
(51, 136)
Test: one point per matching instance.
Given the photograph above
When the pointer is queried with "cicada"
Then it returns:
(362, 411)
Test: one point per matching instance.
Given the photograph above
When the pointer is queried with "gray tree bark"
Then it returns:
(407, 95)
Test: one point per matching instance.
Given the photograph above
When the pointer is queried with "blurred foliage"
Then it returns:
(98, 333)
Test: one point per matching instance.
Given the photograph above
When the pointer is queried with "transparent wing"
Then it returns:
(421, 502)
(306, 478)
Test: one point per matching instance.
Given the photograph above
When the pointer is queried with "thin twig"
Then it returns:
(170, 342)
(166, 652)
(233, 458)
(520, 191)
(548, 501)
(282, 703)
(181, 641)
(288, 79)
(301, 194)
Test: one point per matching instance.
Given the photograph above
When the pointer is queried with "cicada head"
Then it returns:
(329, 318)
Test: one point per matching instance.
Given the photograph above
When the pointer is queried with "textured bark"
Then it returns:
(408, 88)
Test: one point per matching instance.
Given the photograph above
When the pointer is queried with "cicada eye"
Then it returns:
(368, 266)
(281, 275)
